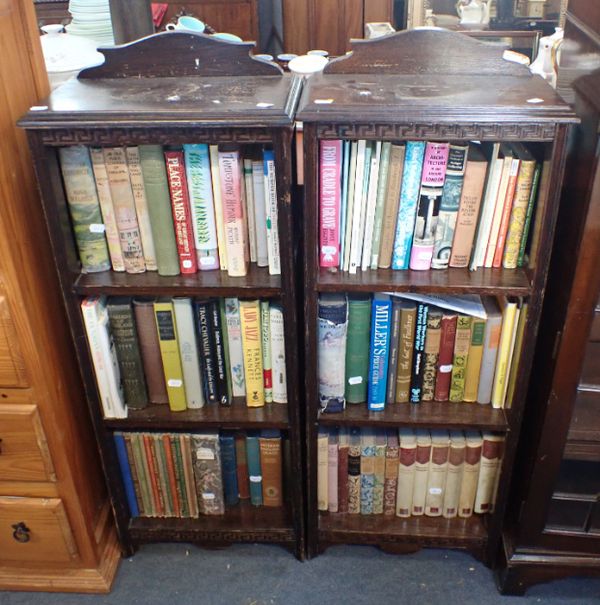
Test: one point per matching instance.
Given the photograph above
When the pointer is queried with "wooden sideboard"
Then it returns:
(56, 525)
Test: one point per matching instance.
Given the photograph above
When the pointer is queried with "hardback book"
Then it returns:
(220, 337)
(354, 454)
(236, 349)
(408, 319)
(418, 365)
(346, 235)
(152, 161)
(371, 206)
(121, 192)
(160, 506)
(357, 348)
(332, 472)
(510, 309)
(342, 468)
(188, 352)
(323, 469)
(382, 185)
(516, 355)
(529, 215)
(423, 456)
(236, 237)
(390, 486)
(254, 468)
(367, 470)
(180, 205)
(462, 343)
(131, 370)
(271, 213)
(406, 471)
(381, 319)
(206, 456)
(167, 473)
(260, 217)
(135, 477)
(509, 198)
(379, 471)
(491, 455)
(361, 184)
(251, 343)
(213, 152)
(185, 442)
(250, 212)
(277, 334)
(330, 193)
(104, 359)
(141, 206)
(444, 372)
(220, 302)
(106, 206)
(271, 465)
(497, 477)
(432, 183)
(353, 213)
(202, 207)
(126, 473)
(249, 255)
(470, 476)
(468, 208)
(146, 505)
(229, 464)
(265, 345)
(450, 202)
(173, 450)
(344, 199)
(409, 198)
(456, 460)
(84, 208)
(390, 208)
(390, 394)
(164, 313)
(436, 479)
(432, 353)
(491, 340)
(474, 360)
(331, 351)
(241, 460)
(160, 474)
(206, 350)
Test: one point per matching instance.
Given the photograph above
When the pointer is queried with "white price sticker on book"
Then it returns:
(97, 228)
(205, 453)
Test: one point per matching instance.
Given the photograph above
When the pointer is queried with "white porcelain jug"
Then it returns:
(473, 12)
(546, 61)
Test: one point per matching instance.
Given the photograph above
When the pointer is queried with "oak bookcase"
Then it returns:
(427, 85)
(170, 89)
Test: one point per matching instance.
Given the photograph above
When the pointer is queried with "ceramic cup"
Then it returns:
(187, 23)
(227, 37)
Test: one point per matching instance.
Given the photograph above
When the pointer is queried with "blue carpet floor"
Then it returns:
(179, 574)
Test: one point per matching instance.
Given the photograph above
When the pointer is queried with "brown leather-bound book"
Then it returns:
(242, 466)
(444, 373)
(150, 350)
(342, 467)
(270, 464)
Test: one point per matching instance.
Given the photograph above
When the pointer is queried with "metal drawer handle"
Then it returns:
(21, 533)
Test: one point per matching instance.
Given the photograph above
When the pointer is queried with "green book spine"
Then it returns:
(159, 207)
(529, 215)
(163, 475)
(432, 353)
(184, 510)
(357, 349)
(461, 356)
(380, 203)
(142, 473)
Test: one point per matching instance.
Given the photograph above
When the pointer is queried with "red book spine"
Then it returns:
(180, 205)
(153, 472)
(330, 196)
(444, 373)
(506, 211)
(171, 472)
(242, 467)
(343, 479)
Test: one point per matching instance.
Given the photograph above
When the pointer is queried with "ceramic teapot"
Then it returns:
(473, 12)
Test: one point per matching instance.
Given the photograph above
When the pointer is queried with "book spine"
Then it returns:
(251, 342)
(332, 475)
(474, 360)
(260, 216)
(422, 459)
(225, 340)
(135, 477)
(391, 479)
(456, 459)
(360, 206)
(126, 474)
(169, 461)
(265, 345)
(164, 485)
(174, 449)
(169, 350)
(329, 202)
(271, 213)
(357, 350)
(491, 454)
(408, 317)
(350, 205)
(219, 348)
(228, 461)
(516, 355)
(121, 192)
(254, 469)
(342, 478)
(344, 201)
(152, 162)
(493, 330)
(271, 465)
(365, 260)
(529, 215)
(181, 211)
(278, 353)
(242, 466)
(217, 199)
(152, 474)
(468, 486)
(137, 447)
(84, 208)
(506, 213)
(250, 212)
(390, 210)
(436, 480)
(188, 470)
(444, 374)
(418, 366)
(378, 479)
(462, 343)
(504, 354)
(202, 207)
(406, 478)
(379, 353)
(499, 204)
(323, 470)
(409, 197)
(141, 206)
(390, 396)
(206, 349)
(354, 479)
(432, 351)
(384, 168)
(367, 479)
(236, 352)
(208, 473)
(106, 206)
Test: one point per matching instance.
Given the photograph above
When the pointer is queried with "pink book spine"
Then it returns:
(233, 213)
(434, 164)
(180, 206)
(329, 203)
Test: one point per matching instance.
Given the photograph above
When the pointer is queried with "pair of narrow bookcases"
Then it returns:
(181, 87)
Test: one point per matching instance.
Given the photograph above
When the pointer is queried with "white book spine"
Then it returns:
(350, 206)
(278, 354)
(355, 244)
(188, 352)
(250, 212)
(370, 211)
(236, 351)
(216, 183)
(260, 217)
(272, 215)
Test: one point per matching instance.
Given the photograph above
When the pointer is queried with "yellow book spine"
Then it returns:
(216, 186)
(474, 360)
(509, 311)
(461, 356)
(164, 314)
(516, 354)
(252, 350)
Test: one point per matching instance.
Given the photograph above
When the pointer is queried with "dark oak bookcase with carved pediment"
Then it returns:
(171, 89)
(438, 85)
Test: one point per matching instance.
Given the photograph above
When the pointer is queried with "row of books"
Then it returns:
(408, 473)
(175, 210)
(423, 205)
(386, 349)
(192, 474)
(185, 352)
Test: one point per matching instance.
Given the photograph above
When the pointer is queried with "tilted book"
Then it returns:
(323, 469)
(371, 206)
(271, 213)
(432, 353)
(456, 459)
(357, 348)
(510, 311)
(84, 208)
(444, 372)
(367, 470)
(475, 359)
(330, 166)
(529, 215)
(236, 349)
(254, 469)
(251, 343)
(436, 479)
(229, 464)
(354, 452)
(423, 456)
(271, 465)
(406, 471)
(265, 345)
(491, 340)
(392, 460)
(206, 455)
(390, 393)
(418, 365)
(382, 186)
(462, 344)
(277, 335)
(332, 472)
(260, 213)
(408, 319)
(468, 486)
(381, 317)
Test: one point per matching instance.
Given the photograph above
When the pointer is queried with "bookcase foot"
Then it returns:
(399, 549)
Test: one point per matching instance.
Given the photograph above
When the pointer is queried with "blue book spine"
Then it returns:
(344, 202)
(229, 469)
(409, 197)
(254, 469)
(381, 319)
(126, 474)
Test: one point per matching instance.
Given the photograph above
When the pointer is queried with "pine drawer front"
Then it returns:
(24, 454)
(35, 529)
(12, 366)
